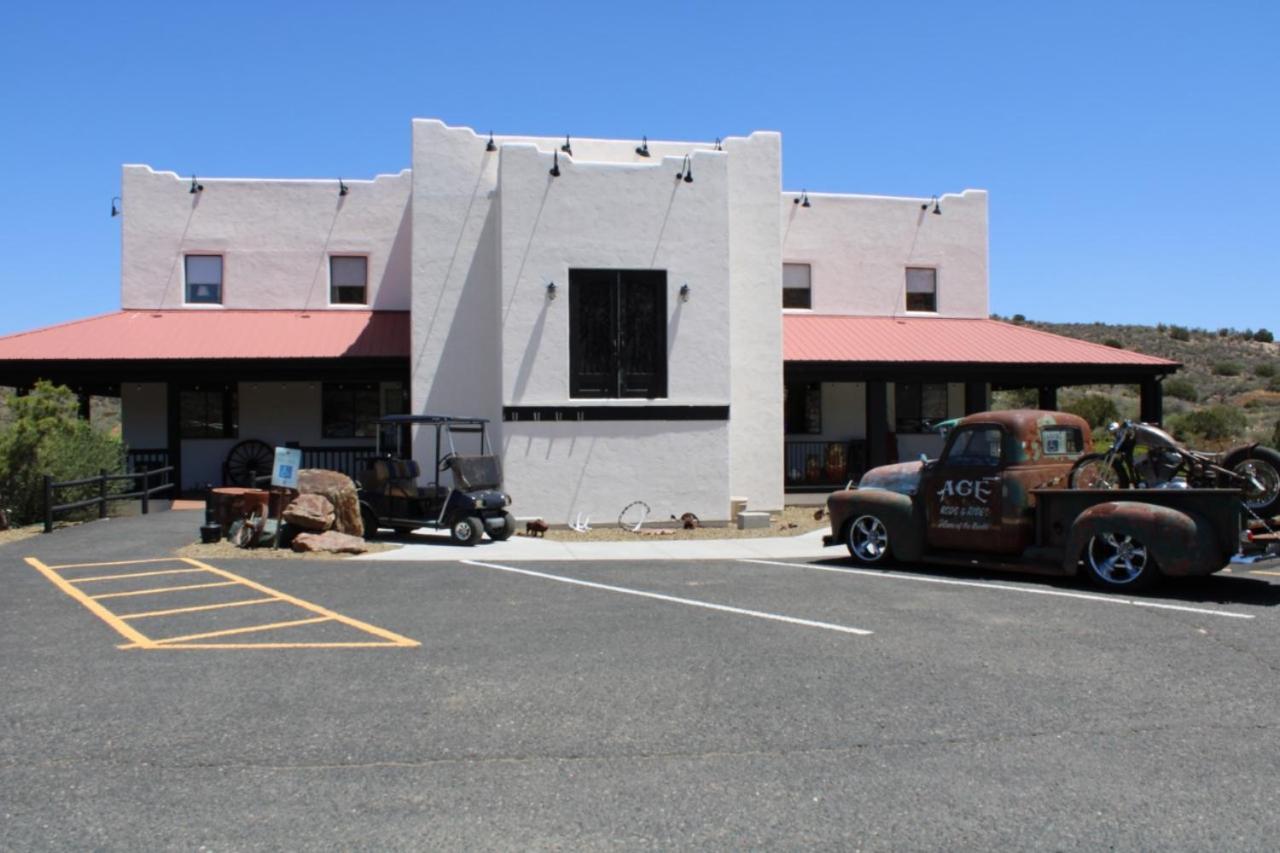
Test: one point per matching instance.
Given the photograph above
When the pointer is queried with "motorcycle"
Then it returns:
(1253, 469)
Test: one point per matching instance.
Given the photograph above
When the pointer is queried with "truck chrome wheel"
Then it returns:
(868, 540)
(1119, 560)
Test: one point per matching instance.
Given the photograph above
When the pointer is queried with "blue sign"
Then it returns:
(284, 473)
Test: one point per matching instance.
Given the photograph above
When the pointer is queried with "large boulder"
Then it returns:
(330, 540)
(341, 492)
(310, 512)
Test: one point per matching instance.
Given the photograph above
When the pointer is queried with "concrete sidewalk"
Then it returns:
(436, 547)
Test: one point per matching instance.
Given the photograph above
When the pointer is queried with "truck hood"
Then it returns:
(903, 478)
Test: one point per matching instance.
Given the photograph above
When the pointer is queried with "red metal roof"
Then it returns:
(216, 334)
(816, 337)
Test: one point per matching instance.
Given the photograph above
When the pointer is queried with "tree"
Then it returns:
(1217, 423)
(1263, 336)
(1097, 409)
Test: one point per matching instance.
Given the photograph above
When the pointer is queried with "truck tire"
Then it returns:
(466, 530)
(1263, 465)
(1095, 471)
(1119, 561)
(867, 538)
(503, 533)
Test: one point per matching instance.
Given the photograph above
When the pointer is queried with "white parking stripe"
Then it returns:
(738, 611)
(1032, 590)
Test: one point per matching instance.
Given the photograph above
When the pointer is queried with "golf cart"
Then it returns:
(470, 505)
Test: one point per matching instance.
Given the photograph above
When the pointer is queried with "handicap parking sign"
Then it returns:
(284, 473)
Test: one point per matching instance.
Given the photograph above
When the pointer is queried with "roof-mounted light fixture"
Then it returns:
(643, 148)
(555, 164)
(802, 199)
(343, 189)
(195, 187)
(937, 209)
(719, 147)
(686, 170)
(115, 211)
(491, 145)
(567, 148)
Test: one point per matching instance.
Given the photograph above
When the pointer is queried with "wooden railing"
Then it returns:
(143, 490)
(347, 459)
(822, 465)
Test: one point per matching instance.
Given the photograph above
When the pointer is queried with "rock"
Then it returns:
(330, 540)
(341, 492)
(310, 512)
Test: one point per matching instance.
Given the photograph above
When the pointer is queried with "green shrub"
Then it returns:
(1019, 319)
(1266, 370)
(1217, 423)
(1227, 368)
(1274, 384)
(1224, 333)
(1113, 343)
(1097, 409)
(47, 436)
(1263, 336)
(1182, 388)
(1180, 333)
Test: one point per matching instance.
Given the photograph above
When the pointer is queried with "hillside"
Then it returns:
(1220, 368)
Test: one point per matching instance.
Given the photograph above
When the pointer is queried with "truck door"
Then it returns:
(962, 492)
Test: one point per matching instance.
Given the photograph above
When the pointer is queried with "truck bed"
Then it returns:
(1057, 509)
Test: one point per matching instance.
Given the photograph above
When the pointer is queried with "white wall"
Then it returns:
(275, 236)
(860, 246)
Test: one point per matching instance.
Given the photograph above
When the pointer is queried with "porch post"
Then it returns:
(174, 437)
(82, 397)
(1049, 397)
(877, 424)
(975, 398)
(1151, 407)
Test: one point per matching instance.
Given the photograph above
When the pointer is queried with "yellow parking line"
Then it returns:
(116, 563)
(160, 589)
(135, 575)
(243, 646)
(147, 613)
(229, 631)
(314, 608)
(139, 641)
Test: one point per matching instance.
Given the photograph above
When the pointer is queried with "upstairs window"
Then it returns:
(348, 279)
(922, 289)
(204, 279)
(796, 292)
(618, 333)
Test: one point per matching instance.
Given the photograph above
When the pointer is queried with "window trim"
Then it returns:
(363, 302)
(809, 289)
(936, 269)
(186, 278)
(617, 389)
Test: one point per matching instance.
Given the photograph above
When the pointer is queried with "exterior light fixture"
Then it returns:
(719, 147)
(685, 290)
(802, 199)
(195, 187)
(643, 148)
(566, 148)
(551, 291)
(343, 189)
(115, 211)
(937, 209)
(491, 145)
(555, 164)
(686, 170)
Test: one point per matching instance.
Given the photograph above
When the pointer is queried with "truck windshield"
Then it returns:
(976, 446)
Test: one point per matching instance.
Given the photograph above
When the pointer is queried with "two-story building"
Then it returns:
(653, 321)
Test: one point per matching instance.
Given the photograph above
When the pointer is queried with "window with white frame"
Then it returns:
(922, 289)
(348, 279)
(204, 278)
(796, 291)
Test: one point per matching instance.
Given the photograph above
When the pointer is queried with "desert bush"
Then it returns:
(46, 436)
(1274, 384)
(1161, 328)
(1266, 370)
(1224, 332)
(1097, 409)
(1275, 437)
(1180, 333)
(1227, 368)
(1182, 388)
(1216, 423)
(1019, 319)
(1263, 336)
(1113, 343)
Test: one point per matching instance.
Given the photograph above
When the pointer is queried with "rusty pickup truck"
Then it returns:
(998, 497)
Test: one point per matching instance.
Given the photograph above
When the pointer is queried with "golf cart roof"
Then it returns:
(429, 419)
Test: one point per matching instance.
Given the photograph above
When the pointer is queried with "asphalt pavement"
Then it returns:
(711, 704)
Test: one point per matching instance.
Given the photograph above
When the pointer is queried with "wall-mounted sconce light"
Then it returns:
(491, 145)
(551, 290)
(115, 211)
(937, 209)
(343, 189)
(802, 199)
(643, 148)
(195, 187)
(686, 170)
(685, 290)
(555, 165)
(566, 148)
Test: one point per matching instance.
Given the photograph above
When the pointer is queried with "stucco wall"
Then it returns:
(275, 237)
(860, 246)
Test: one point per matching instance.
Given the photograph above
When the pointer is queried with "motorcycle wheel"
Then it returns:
(1094, 471)
(1263, 465)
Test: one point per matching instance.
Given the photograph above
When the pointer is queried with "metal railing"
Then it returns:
(144, 491)
(822, 465)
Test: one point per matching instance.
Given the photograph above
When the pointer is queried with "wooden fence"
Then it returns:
(144, 491)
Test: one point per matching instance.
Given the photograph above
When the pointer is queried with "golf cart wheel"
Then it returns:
(1119, 561)
(503, 533)
(466, 530)
(868, 540)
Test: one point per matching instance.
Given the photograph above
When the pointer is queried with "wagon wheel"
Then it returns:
(249, 459)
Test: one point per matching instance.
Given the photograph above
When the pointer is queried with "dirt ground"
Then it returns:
(225, 550)
(792, 521)
(17, 534)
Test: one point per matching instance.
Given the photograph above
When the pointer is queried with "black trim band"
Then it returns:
(615, 413)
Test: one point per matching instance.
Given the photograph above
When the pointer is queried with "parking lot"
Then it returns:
(710, 704)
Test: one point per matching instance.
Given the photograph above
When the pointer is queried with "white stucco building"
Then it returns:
(655, 321)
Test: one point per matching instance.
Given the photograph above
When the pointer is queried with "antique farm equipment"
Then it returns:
(247, 461)
(998, 497)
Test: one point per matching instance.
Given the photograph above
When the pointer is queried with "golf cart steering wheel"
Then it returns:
(445, 460)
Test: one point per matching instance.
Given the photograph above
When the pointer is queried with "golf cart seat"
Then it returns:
(395, 478)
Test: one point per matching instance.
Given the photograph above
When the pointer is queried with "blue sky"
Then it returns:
(1130, 148)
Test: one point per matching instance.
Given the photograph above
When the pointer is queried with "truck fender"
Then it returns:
(906, 542)
(1182, 543)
